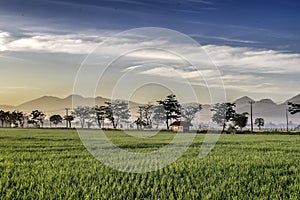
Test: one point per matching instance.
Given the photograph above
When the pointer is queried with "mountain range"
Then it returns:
(54, 105)
(272, 112)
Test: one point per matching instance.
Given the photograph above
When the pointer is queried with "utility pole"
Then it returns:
(67, 114)
(251, 114)
(287, 119)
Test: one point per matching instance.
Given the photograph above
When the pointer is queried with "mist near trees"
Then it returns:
(117, 114)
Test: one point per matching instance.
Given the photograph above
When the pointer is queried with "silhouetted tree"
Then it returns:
(140, 123)
(293, 108)
(55, 119)
(240, 120)
(188, 111)
(116, 111)
(20, 118)
(37, 117)
(172, 108)
(83, 113)
(259, 122)
(145, 115)
(223, 113)
(10, 118)
(2, 117)
(69, 119)
(15, 117)
(100, 115)
(7, 118)
(159, 115)
(148, 112)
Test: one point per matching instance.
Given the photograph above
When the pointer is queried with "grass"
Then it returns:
(54, 164)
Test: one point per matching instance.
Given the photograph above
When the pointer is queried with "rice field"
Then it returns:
(54, 164)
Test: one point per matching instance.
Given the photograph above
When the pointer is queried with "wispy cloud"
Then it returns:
(4, 37)
(224, 38)
(53, 43)
(244, 59)
(251, 59)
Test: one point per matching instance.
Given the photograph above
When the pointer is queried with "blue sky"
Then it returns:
(255, 44)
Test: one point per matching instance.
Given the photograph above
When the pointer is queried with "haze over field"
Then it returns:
(266, 108)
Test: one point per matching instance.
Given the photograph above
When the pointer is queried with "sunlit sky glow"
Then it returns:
(255, 44)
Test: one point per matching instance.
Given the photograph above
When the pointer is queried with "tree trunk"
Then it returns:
(99, 123)
(82, 123)
(167, 122)
(223, 128)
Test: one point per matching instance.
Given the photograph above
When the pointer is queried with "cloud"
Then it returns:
(4, 37)
(171, 72)
(3, 47)
(74, 44)
(227, 58)
(132, 68)
(223, 38)
(246, 59)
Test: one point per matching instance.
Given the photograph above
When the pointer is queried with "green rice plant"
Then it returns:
(54, 164)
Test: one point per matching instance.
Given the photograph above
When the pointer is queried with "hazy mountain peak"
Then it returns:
(243, 100)
(295, 99)
(266, 101)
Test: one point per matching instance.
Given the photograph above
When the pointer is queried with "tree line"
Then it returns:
(148, 116)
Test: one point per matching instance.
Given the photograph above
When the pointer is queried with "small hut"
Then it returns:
(181, 126)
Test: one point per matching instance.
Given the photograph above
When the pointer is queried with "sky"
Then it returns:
(244, 48)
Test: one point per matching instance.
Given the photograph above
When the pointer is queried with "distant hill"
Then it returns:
(54, 105)
(295, 99)
(243, 100)
(267, 109)
(7, 107)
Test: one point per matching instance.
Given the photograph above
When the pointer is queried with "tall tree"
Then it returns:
(148, 112)
(159, 115)
(37, 117)
(188, 111)
(116, 111)
(172, 108)
(223, 113)
(2, 117)
(15, 117)
(240, 120)
(145, 115)
(20, 118)
(83, 113)
(11, 118)
(293, 108)
(100, 115)
(7, 118)
(56, 119)
(259, 122)
(69, 119)
(140, 123)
